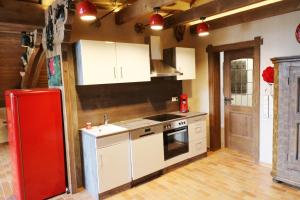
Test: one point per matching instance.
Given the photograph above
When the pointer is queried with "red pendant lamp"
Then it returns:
(86, 10)
(202, 28)
(156, 20)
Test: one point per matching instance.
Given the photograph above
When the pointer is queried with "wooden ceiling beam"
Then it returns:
(270, 10)
(18, 12)
(207, 10)
(139, 9)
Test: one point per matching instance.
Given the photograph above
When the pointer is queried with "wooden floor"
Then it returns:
(222, 175)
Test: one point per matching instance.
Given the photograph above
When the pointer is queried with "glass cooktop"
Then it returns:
(163, 117)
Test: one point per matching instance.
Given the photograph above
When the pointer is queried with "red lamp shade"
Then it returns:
(268, 74)
(86, 10)
(156, 22)
(202, 29)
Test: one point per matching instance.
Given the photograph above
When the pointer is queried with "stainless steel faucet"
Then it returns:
(106, 119)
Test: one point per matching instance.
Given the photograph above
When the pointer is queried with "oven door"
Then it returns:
(176, 142)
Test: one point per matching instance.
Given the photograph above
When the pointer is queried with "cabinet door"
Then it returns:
(133, 62)
(186, 63)
(147, 155)
(96, 62)
(294, 119)
(113, 166)
(198, 147)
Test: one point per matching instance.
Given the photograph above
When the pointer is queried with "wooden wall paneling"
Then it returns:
(73, 152)
(16, 12)
(271, 10)
(10, 62)
(127, 100)
(214, 98)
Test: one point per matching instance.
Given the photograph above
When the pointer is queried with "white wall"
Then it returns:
(278, 34)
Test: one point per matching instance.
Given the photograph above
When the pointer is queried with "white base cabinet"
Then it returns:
(113, 166)
(106, 162)
(197, 136)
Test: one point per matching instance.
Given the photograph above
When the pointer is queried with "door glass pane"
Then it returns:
(242, 81)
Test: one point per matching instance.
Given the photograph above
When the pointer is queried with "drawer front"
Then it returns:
(197, 130)
(197, 148)
(112, 140)
(196, 119)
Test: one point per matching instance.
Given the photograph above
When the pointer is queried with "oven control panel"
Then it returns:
(175, 124)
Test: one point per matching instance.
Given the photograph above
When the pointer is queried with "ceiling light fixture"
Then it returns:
(202, 28)
(156, 20)
(86, 10)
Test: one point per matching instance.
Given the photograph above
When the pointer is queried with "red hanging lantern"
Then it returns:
(156, 21)
(268, 74)
(202, 28)
(86, 10)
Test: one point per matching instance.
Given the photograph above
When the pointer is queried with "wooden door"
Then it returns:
(240, 99)
(294, 116)
(133, 62)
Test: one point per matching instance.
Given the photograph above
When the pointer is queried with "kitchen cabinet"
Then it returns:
(286, 144)
(197, 136)
(106, 162)
(133, 62)
(186, 63)
(184, 60)
(101, 62)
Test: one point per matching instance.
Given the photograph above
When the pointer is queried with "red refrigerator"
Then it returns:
(36, 143)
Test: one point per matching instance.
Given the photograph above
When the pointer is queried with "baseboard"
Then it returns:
(184, 162)
(114, 191)
(146, 178)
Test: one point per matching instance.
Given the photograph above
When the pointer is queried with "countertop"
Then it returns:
(138, 123)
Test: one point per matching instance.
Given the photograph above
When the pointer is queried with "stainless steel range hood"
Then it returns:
(159, 68)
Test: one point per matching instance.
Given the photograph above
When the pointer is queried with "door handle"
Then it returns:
(227, 100)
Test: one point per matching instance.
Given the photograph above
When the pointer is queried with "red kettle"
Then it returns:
(184, 103)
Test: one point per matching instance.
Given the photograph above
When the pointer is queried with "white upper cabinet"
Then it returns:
(185, 63)
(108, 62)
(133, 62)
(96, 62)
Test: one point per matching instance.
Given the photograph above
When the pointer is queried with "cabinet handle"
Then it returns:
(115, 72)
(121, 72)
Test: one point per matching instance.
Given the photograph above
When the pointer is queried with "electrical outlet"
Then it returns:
(174, 99)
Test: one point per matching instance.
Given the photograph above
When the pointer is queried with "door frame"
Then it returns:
(215, 90)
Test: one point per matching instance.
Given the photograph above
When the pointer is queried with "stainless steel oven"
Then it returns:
(176, 139)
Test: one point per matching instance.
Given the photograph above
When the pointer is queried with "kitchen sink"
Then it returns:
(110, 129)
